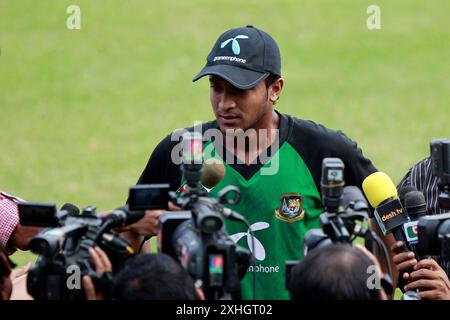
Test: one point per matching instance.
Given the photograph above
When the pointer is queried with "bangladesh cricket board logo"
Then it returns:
(291, 207)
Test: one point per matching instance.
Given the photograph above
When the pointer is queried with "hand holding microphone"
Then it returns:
(391, 217)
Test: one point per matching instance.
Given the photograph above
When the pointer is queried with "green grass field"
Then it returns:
(81, 110)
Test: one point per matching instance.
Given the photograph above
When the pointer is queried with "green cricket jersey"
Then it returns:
(280, 194)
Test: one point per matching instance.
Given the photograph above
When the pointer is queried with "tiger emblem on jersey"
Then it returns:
(291, 207)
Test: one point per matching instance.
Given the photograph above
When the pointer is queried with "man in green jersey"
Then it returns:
(277, 168)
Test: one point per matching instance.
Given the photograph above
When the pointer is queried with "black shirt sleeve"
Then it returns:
(160, 167)
(314, 142)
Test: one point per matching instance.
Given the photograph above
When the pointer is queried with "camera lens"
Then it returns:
(44, 245)
(211, 224)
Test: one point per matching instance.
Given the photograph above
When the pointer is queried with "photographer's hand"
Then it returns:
(430, 279)
(404, 261)
(102, 265)
(148, 225)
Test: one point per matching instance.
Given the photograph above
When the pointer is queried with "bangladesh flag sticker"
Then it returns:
(410, 229)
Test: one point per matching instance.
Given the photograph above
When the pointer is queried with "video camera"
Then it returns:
(346, 215)
(434, 236)
(64, 247)
(343, 209)
(440, 162)
(196, 236)
(434, 231)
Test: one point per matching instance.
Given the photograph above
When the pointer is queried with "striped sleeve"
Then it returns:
(421, 177)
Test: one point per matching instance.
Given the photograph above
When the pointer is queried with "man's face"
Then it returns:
(236, 108)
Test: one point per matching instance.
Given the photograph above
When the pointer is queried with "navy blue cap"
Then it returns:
(243, 57)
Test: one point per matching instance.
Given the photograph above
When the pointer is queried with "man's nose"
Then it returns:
(227, 102)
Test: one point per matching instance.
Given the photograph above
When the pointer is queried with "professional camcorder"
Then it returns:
(346, 212)
(196, 236)
(64, 247)
(434, 231)
(440, 159)
(346, 215)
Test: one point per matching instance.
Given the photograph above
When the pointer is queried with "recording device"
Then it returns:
(148, 197)
(354, 214)
(332, 184)
(389, 212)
(344, 208)
(440, 162)
(63, 248)
(346, 215)
(403, 191)
(196, 236)
(332, 187)
(416, 208)
(434, 236)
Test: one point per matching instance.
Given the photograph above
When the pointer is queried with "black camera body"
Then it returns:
(440, 162)
(64, 257)
(196, 237)
(64, 248)
(198, 240)
(434, 236)
(213, 259)
(332, 187)
(345, 212)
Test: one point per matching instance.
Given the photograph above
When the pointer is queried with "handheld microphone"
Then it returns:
(213, 173)
(389, 212)
(192, 143)
(72, 210)
(332, 184)
(416, 207)
(122, 216)
(403, 191)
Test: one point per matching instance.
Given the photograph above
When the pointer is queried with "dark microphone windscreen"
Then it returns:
(403, 191)
(73, 210)
(213, 173)
(415, 204)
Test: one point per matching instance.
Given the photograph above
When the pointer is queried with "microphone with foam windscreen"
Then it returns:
(119, 217)
(389, 212)
(403, 191)
(70, 209)
(122, 216)
(213, 172)
(416, 207)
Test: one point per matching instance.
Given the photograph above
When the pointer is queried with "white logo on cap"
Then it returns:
(234, 43)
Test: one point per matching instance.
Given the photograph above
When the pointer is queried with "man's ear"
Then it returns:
(275, 90)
